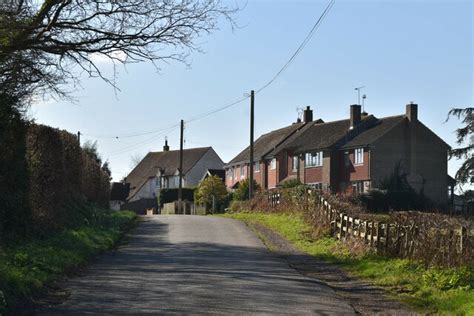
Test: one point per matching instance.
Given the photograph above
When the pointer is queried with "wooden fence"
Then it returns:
(397, 239)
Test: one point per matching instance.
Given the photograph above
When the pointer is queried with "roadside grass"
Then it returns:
(27, 266)
(431, 290)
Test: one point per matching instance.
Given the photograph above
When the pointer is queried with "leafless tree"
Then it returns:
(135, 160)
(44, 43)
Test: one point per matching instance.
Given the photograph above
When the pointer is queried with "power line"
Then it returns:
(132, 134)
(285, 66)
(240, 100)
(301, 47)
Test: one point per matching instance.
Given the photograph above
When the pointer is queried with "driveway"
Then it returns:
(195, 265)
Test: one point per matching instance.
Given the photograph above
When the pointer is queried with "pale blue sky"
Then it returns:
(402, 51)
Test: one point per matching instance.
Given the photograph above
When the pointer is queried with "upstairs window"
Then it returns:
(230, 173)
(242, 171)
(359, 156)
(273, 164)
(256, 167)
(294, 163)
(314, 159)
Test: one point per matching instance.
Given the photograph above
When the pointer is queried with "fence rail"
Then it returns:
(395, 238)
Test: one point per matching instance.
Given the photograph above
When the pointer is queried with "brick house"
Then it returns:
(265, 170)
(357, 153)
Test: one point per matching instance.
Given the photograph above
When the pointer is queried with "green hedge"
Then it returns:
(171, 195)
(42, 169)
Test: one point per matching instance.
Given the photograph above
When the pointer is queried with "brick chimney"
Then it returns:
(308, 115)
(355, 115)
(166, 147)
(412, 112)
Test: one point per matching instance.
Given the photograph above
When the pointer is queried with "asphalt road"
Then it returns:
(195, 265)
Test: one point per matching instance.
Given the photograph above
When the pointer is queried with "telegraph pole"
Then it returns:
(79, 138)
(180, 186)
(252, 99)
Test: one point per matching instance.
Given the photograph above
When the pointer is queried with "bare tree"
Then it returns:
(43, 42)
(135, 160)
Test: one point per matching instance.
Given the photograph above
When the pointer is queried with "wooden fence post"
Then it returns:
(342, 225)
(462, 238)
(379, 234)
(387, 237)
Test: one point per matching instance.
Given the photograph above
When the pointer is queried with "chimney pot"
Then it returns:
(412, 112)
(355, 115)
(308, 115)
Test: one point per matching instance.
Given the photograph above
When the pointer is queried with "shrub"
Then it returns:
(211, 190)
(242, 192)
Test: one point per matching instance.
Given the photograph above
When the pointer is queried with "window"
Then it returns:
(359, 156)
(242, 171)
(358, 186)
(256, 167)
(314, 159)
(273, 164)
(294, 163)
(230, 173)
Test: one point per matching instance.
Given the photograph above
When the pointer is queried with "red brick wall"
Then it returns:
(353, 172)
(290, 164)
(258, 175)
(313, 174)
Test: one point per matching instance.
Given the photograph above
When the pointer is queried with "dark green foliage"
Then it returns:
(171, 195)
(212, 190)
(14, 210)
(395, 193)
(242, 192)
(465, 136)
(291, 183)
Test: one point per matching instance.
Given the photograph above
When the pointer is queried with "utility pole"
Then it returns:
(252, 99)
(180, 186)
(79, 138)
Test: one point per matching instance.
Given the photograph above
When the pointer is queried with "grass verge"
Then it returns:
(26, 267)
(432, 290)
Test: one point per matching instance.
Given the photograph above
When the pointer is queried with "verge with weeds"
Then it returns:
(436, 290)
(27, 266)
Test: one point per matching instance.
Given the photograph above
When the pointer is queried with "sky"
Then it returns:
(401, 51)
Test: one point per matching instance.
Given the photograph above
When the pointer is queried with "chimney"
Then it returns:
(308, 115)
(166, 147)
(355, 115)
(412, 112)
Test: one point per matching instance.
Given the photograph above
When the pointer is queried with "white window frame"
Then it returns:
(230, 173)
(294, 163)
(359, 156)
(242, 171)
(313, 159)
(273, 164)
(256, 167)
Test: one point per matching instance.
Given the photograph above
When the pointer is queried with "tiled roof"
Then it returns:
(375, 131)
(266, 143)
(166, 160)
(319, 135)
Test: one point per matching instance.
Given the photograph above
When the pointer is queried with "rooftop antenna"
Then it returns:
(358, 93)
(363, 102)
(300, 113)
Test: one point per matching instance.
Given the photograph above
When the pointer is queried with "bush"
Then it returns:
(211, 190)
(242, 192)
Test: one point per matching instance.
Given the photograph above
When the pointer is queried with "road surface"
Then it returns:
(195, 265)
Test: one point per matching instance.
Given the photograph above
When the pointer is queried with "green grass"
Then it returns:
(26, 267)
(433, 290)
